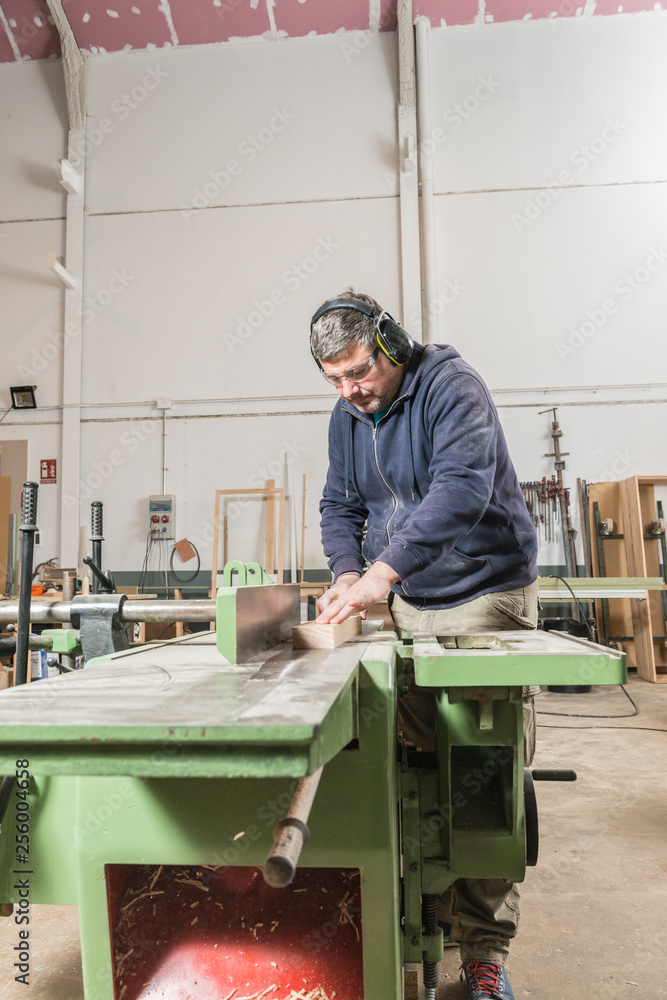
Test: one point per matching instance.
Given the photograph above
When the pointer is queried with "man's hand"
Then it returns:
(335, 592)
(358, 595)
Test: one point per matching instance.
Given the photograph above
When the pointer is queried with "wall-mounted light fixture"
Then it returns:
(23, 397)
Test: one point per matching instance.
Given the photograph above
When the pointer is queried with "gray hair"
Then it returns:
(339, 330)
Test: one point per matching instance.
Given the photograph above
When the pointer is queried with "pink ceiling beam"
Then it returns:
(113, 24)
(623, 7)
(29, 23)
(203, 21)
(297, 17)
(454, 12)
(505, 10)
(460, 12)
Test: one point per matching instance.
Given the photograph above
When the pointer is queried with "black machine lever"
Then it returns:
(105, 580)
(554, 775)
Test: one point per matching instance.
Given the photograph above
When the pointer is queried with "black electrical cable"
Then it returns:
(618, 729)
(577, 715)
(166, 629)
(184, 579)
(144, 565)
(582, 617)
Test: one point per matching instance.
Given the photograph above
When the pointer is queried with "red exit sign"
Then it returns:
(47, 470)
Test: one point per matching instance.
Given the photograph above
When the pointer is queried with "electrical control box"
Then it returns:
(162, 516)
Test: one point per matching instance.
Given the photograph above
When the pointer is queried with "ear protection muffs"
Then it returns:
(392, 339)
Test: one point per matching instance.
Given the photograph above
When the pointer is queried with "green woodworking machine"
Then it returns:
(238, 819)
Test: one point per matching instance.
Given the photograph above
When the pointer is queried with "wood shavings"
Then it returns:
(237, 836)
(155, 877)
(193, 922)
(192, 881)
(230, 995)
(344, 916)
(196, 903)
(274, 924)
(145, 895)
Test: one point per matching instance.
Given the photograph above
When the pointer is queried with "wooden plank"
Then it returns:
(5, 501)
(311, 635)
(216, 542)
(281, 537)
(273, 491)
(652, 550)
(608, 497)
(303, 528)
(178, 596)
(270, 560)
(636, 556)
(585, 527)
(604, 582)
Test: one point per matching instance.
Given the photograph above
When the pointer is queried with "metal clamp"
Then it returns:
(98, 618)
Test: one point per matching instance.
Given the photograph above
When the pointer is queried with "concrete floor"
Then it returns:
(594, 911)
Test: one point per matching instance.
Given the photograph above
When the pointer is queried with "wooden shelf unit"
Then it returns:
(631, 551)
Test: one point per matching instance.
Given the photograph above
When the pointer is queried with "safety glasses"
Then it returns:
(357, 374)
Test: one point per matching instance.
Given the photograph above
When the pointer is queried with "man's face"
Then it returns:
(376, 390)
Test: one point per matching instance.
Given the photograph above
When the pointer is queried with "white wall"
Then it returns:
(551, 208)
(32, 139)
(189, 236)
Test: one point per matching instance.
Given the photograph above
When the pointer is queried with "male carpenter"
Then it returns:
(419, 462)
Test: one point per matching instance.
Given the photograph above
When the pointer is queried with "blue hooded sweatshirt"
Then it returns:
(433, 486)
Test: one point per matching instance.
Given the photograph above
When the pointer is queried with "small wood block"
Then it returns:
(312, 635)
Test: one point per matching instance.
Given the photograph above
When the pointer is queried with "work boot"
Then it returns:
(486, 981)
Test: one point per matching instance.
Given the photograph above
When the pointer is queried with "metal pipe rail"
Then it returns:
(131, 611)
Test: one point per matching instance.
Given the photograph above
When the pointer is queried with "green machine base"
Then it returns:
(156, 776)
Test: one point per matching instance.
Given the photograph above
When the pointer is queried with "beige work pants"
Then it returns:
(483, 912)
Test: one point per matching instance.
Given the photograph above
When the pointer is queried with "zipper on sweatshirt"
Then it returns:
(393, 495)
